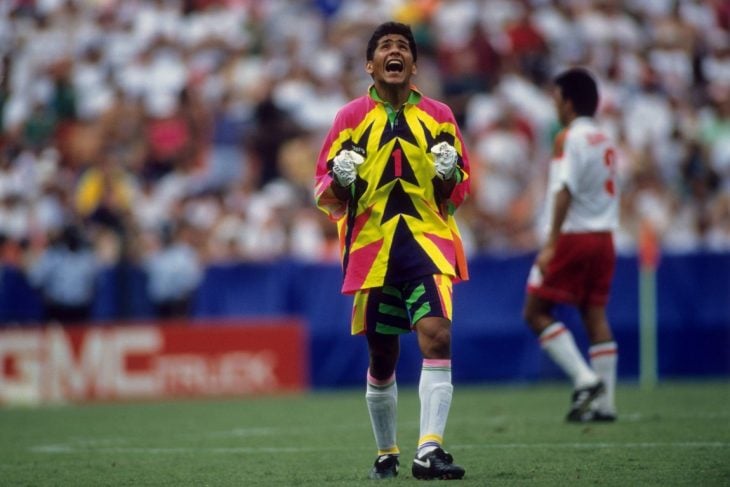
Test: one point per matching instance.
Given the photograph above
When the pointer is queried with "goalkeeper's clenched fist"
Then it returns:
(344, 167)
(444, 159)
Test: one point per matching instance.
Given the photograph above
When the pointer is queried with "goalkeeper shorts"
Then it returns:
(396, 308)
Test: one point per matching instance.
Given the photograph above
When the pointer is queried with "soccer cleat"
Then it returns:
(595, 416)
(581, 402)
(436, 464)
(385, 467)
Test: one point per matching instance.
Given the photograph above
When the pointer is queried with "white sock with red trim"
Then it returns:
(381, 397)
(435, 391)
(558, 342)
(604, 358)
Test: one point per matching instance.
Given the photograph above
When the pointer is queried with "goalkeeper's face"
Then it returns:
(392, 61)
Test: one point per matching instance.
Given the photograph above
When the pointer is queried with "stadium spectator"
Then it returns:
(174, 272)
(715, 133)
(391, 172)
(273, 128)
(576, 262)
(104, 194)
(526, 46)
(65, 274)
(718, 234)
(169, 136)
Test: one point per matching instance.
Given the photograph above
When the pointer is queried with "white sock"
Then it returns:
(559, 344)
(435, 391)
(604, 358)
(381, 397)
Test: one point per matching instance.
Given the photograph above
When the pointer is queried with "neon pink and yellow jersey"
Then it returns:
(395, 225)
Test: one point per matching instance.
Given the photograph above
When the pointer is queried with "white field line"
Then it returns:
(623, 417)
(495, 420)
(582, 446)
(119, 444)
(76, 448)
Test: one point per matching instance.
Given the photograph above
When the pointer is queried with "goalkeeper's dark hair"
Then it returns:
(391, 28)
(579, 86)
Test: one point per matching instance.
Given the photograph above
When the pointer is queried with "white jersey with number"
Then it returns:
(584, 161)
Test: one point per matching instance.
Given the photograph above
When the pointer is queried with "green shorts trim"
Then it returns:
(396, 308)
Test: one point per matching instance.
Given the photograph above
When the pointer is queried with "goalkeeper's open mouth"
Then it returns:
(394, 66)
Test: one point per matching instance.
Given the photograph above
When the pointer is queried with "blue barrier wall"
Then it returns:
(491, 342)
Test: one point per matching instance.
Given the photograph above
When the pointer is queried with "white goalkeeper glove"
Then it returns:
(344, 167)
(444, 159)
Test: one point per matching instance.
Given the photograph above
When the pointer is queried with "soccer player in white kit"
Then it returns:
(575, 265)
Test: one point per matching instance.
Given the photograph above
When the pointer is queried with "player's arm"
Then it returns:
(335, 172)
(342, 193)
(449, 174)
(444, 187)
(336, 182)
(560, 211)
(568, 153)
(455, 189)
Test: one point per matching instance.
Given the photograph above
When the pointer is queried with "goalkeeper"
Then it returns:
(391, 173)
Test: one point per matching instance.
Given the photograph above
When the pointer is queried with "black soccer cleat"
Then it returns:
(581, 402)
(436, 464)
(385, 467)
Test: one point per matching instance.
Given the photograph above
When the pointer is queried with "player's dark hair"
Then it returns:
(578, 86)
(391, 28)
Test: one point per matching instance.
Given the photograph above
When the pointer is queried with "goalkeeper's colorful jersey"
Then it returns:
(395, 226)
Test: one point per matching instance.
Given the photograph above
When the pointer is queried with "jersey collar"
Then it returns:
(413, 97)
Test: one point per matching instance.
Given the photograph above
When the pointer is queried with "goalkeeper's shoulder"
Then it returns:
(354, 111)
(440, 111)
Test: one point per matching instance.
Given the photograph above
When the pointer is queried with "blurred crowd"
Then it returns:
(188, 130)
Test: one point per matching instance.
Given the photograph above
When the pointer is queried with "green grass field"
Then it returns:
(677, 434)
